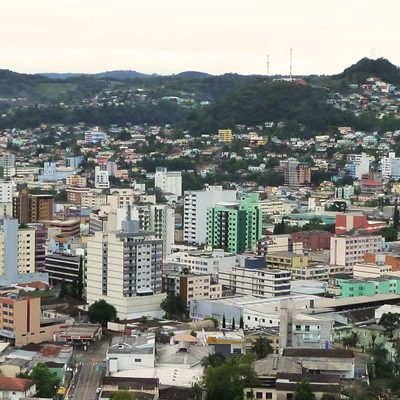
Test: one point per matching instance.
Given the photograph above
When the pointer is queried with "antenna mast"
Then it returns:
(291, 56)
(267, 64)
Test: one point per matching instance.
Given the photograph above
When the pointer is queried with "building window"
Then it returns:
(138, 360)
(259, 395)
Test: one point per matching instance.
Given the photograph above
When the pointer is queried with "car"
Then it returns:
(98, 390)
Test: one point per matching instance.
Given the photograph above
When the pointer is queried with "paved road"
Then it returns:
(89, 372)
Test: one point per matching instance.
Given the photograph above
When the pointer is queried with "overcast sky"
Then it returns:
(216, 36)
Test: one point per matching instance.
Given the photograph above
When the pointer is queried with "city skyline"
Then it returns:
(167, 38)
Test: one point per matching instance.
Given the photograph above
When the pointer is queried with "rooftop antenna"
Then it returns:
(267, 64)
(291, 57)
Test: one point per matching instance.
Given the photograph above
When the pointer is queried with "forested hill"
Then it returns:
(262, 101)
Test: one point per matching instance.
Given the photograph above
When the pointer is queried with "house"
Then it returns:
(141, 388)
(16, 388)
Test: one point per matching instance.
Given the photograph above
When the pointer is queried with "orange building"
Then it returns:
(32, 208)
(387, 258)
(21, 323)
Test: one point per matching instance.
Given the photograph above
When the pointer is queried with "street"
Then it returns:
(89, 373)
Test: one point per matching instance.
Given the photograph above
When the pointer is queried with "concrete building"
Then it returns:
(190, 286)
(390, 166)
(93, 198)
(274, 207)
(54, 173)
(21, 322)
(6, 191)
(76, 181)
(295, 173)
(287, 260)
(358, 165)
(101, 178)
(386, 257)
(344, 192)
(225, 135)
(264, 282)
(277, 243)
(349, 222)
(370, 270)
(202, 261)
(368, 287)
(63, 267)
(162, 223)
(347, 250)
(124, 268)
(196, 203)
(313, 240)
(26, 250)
(235, 226)
(33, 208)
(168, 181)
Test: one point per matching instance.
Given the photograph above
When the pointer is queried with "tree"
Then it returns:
(63, 290)
(227, 381)
(73, 292)
(123, 395)
(174, 307)
(390, 233)
(303, 391)
(391, 322)
(213, 360)
(223, 322)
(233, 324)
(102, 312)
(46, 382)
(262, 347)
(241, 323)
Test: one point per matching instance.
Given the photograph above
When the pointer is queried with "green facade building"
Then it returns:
(235, 226)
(368, 287)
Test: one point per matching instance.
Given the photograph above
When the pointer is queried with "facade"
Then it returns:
(76, 181)
(254, 281)
(368, 287)
(347, 250)
(6, 191)
(390, 167)
(124, 268)
(196, 203)
(277, 243)
(26, 250)
(202, 261)
(62, 267)
(387, 258)
(16, 388)
(235, 226)
(287, 260)
(168, 181)
(358, 165)
(162, 223)
(21, 323)
(33, 208)
(313, 240)
(274, 207)
(53, 173)
(190, 286)
(94, 135)
(101, 178)
(348, 222)
(370, 270)
(344, 192)
(225, 135)
(295, 173)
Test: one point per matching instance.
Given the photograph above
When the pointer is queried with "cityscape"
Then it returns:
(198, 235)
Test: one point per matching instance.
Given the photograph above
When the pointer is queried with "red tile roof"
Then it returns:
(15, 384)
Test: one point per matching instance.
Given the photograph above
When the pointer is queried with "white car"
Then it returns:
(98, 390)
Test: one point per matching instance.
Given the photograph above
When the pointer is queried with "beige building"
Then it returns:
(93, 199)
(225, 135)
(287, 260)
(348, 250)
(21, 323)
(370, 270)
(76, 181)
(26, 250)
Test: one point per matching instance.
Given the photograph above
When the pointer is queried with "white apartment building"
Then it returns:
(6, 191)
(203, 261)
(274, 207)
(124, 268)
(93, 199)
(370, 270)
(101, 178)
(347, 250)
(253, 281)
(196, 203)
(7, 160)
(122, 197)
(162, 223)
(344, 192)
(391, 166)
(360, 164)
(168, 181)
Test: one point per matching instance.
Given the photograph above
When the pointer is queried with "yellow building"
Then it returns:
(286, 260)
(225, 135)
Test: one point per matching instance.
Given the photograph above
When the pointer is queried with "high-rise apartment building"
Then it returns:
(196, 203)
(391, 166)
(295, 173)
(347, 250)
(235, 226)
(162, 223)
(101, 177)
(124, 268)
(26, 250)
(168, 181)
(33, 208)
